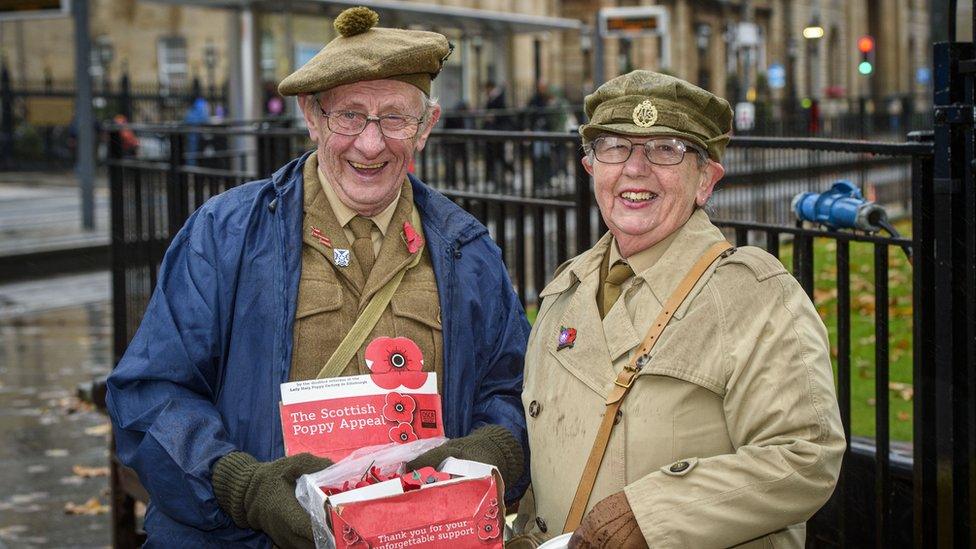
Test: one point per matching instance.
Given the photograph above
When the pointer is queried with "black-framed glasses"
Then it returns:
(664, 151)
(394, 126)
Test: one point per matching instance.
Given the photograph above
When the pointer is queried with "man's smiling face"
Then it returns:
(366, 170)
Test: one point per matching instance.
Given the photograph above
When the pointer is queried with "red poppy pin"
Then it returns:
(413, 238)
(567, 338)
(395, 362)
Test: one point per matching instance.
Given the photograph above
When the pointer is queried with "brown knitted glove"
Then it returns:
(261, 496)
(610, 524)
(491, 444)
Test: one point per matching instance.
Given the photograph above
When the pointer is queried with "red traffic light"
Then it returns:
(865, 43)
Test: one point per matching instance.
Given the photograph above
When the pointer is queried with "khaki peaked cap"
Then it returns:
(644, 103)
(363, 51)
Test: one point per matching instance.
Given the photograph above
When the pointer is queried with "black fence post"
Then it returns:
(583, 203)
(947, 372)
(6, 117)
(176, 199)
(125, 97)
(923, 406)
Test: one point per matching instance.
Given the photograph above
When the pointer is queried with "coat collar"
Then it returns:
(443, 221)
(689, 243)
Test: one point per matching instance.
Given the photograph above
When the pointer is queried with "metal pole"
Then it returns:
(84, 115)
(598, 49)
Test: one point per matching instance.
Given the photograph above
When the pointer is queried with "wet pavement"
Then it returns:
(54, 334)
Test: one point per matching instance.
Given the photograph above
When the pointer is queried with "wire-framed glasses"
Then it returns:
(665, 151)
(394, 126)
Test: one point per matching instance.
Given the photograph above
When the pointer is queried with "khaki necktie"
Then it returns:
(362, 246)
(611, 285)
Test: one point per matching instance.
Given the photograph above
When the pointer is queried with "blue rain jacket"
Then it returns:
(201, 376)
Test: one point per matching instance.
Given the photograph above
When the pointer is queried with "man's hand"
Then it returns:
(491, 444)
(610, 524)
(261, 496)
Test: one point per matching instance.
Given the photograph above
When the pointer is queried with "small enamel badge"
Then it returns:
(317, 234)
(340, 257)
(567, 338)
(413, 238)
(645, 114)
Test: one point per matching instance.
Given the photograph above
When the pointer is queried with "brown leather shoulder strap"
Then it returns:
(626, 378)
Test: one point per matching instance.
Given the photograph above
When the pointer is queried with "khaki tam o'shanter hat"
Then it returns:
(363, 51)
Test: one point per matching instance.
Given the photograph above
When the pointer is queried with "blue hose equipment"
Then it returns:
(843, 207)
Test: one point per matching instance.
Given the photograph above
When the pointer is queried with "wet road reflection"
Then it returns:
(53, 447)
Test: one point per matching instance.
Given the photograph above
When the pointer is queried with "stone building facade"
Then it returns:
(173, 44)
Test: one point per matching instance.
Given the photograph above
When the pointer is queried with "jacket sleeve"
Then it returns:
(161, 393)
(782, 418)
(498, 400)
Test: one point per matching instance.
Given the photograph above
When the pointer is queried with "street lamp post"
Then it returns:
(813, 33)
(210, 60)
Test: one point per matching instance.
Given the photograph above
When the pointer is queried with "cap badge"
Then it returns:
(645, 114)
(341, 257)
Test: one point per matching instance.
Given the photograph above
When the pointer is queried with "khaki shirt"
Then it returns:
(331, 297)
(739, 386)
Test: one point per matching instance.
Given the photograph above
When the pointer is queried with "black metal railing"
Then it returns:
(540, 215)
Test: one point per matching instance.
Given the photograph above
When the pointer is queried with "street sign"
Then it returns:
(776, 76)
(923, 75)
(633, 22)
(745, 116)
(32, 9)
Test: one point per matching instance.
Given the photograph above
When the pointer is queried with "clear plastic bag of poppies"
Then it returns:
(363, 467)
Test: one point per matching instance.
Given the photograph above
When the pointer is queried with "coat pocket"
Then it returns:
(417, 315)
(318, 296)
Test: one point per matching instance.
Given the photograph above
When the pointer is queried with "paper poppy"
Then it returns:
(402, 433)
(399, 408)
(395, 362)
(492, 511)
(350, 536)
(488, 529)
(413, 238)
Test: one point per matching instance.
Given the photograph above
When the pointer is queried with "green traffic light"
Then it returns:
(865, 67)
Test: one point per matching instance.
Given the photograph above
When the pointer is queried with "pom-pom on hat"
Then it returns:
(363, 51)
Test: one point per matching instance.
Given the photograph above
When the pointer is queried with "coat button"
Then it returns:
(541, 524)
(618, 416)
(534, 408)
(678, 466)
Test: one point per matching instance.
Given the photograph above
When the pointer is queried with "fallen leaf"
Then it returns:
(89, 472)
(872, 401)
(903, 416)
(99, 430)
(905, 390)
(90, 507)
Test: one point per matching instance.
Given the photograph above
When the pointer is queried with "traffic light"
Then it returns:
(865, 45)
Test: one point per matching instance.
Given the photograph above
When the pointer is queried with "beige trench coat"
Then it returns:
(739, 387)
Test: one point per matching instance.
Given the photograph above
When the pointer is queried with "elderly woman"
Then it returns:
(678, 389)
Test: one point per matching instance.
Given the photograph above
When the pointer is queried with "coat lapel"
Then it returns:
(588, 359)
(319, 214)
(393, 256)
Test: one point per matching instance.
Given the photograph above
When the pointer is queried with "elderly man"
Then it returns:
(265, 281)
(679, 390)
